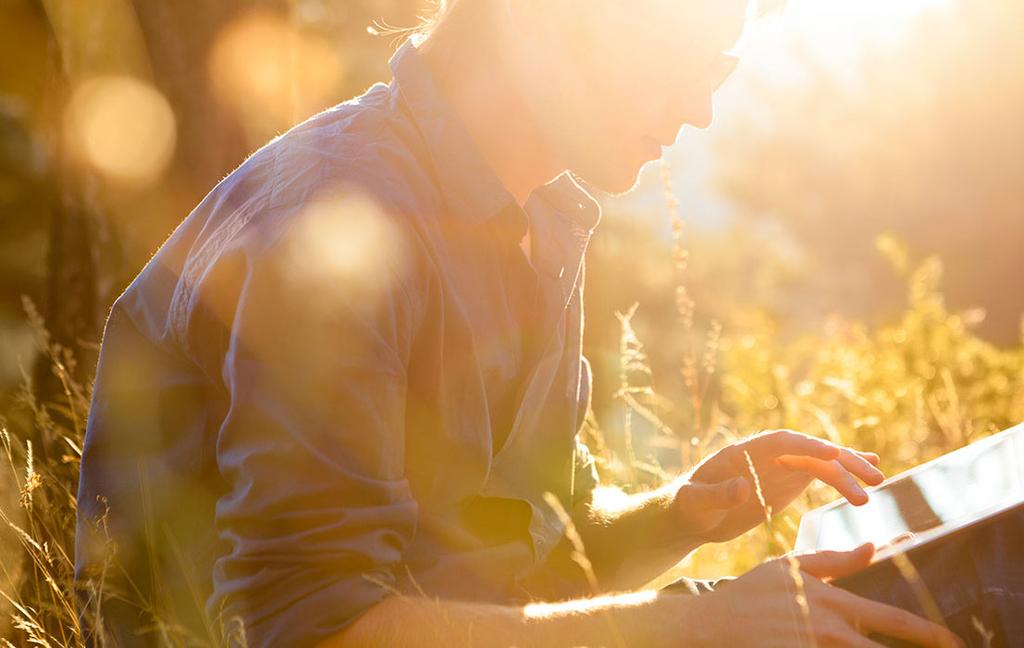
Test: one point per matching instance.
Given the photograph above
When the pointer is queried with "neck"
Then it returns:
(479, 90)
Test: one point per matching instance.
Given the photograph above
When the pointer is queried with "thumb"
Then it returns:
(720, 495)
(836, 564)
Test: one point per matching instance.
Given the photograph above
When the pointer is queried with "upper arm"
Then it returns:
(318, 509)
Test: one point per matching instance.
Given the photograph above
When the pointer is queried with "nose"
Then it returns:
(694, 108)
(696, 104)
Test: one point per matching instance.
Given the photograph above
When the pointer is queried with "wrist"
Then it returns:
(687, 620)
(679, 535)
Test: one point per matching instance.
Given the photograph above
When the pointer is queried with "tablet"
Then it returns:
(957, 490)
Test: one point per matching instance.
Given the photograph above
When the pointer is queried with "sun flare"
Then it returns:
(844, 24)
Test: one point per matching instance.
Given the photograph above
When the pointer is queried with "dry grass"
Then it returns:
(910, 391)
(41, 447)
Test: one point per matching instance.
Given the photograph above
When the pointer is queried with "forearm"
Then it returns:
(640, 618)
(634, 540)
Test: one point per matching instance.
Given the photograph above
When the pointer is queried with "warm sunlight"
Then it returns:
(831, 36)
(122, 127)
(292, 305)
(587, 605)
(858, 15)
(344, 238)
(844, 28)
(271, 72)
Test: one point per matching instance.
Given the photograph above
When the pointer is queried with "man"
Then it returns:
(336, 406)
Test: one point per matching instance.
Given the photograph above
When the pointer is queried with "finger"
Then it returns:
(788, 442)
(835, 564)
(858, 641)
(900, 624)
(860, 467)
(872, 457)
(851, 637)
(832, 473)
(720, 495)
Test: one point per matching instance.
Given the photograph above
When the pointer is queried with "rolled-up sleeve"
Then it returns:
(318, 510)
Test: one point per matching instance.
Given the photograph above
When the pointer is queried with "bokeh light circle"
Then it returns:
(122, 127)
(271, 72)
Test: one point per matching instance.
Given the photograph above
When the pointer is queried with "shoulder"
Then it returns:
(355, 172)
(345, 190)
(369, 144)
(360, 157)
(350, 187)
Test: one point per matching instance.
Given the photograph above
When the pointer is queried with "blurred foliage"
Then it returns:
(40, 448)
(910, 391)
(922, 139)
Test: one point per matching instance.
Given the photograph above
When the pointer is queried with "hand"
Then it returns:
(760, 608)
(718, 503)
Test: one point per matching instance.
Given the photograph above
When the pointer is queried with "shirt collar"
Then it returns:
(569, 198)
(467, 182)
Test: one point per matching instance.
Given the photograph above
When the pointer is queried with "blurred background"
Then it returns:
(841, 252)
(847, 121)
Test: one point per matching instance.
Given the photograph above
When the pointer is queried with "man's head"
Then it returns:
(608, 82)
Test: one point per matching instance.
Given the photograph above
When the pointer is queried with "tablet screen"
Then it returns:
(950, 492)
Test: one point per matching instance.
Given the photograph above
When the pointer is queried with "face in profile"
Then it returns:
(625, 77)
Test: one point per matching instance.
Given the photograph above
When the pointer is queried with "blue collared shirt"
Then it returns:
(324, 387)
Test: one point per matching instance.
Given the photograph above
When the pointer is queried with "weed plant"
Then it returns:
(909, 391)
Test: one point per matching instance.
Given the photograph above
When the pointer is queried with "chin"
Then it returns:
(615, 180)
(611, 167)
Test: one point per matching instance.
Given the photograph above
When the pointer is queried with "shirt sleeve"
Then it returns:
(585, 477)
(318, 511)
